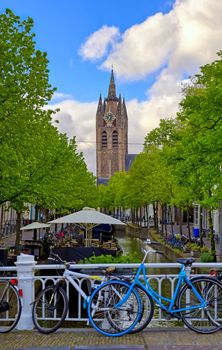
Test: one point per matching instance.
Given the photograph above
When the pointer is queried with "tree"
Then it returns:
(37, 163)
(201, 145)
(24, 91)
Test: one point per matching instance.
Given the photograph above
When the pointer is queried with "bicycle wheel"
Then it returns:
(209, 319)
(147, 310)
(10, 306)
(108, 319)
(50, 309)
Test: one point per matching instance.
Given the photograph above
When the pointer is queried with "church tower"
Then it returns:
(111, 134)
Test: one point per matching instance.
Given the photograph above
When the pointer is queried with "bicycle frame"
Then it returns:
(159, 299)
(69, 276)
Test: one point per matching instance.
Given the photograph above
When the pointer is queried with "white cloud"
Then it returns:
(138, 52)
(60, 96)
(78, 119)
(181, 40)
(174, 45)
(97, 44)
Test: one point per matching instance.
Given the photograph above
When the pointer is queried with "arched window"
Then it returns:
(104, 139)
(115, 139)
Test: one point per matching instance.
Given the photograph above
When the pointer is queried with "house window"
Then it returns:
(115, 139)
(104, 139)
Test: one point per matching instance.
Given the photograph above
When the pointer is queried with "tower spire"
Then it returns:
(100, 104)
(112, 87)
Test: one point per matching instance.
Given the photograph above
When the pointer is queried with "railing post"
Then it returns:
(25, 274)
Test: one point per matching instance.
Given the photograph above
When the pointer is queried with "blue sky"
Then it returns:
(62, 26)
(153, 45)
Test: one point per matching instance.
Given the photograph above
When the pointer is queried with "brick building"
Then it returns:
(111, 135)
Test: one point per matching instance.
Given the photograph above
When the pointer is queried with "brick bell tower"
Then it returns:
(111, 134)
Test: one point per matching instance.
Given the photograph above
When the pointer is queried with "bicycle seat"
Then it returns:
(186, 261)
(110, 269)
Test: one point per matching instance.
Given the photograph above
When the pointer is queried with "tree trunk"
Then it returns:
(211, 236)
(171, 219)
(177, 215)
(46, 215)
(162, 218)
(146, 215)
(188, 224)
(201, 227)
(165, 219)
(140, 216)
(36, 219)
(181, 221)
(47, 219)
(155, 213)
(133, 215)
(18, 231)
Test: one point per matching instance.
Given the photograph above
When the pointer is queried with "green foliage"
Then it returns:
(194, 247)
(37, 163)
(206, 257)
(165, 134)
(109, 259)
(204, 249)
(24, 90)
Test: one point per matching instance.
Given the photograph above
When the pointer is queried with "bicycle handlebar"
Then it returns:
(150, 251)
(54, 257)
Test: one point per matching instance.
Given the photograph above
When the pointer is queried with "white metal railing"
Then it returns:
(31, 279)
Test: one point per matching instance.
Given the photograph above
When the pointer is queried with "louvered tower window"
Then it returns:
(115, 139)
(104, 139)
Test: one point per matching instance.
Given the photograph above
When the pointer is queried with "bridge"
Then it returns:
(161, 334)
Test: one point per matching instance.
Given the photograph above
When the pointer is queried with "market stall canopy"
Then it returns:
(87, 216)
(35, 225)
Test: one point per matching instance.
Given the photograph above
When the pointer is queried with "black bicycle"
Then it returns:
(10, 304)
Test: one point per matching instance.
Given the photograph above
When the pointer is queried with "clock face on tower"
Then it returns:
(109, 118)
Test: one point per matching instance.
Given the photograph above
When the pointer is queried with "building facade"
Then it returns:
(111, 134)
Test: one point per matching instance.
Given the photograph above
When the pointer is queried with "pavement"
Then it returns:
(88, 339)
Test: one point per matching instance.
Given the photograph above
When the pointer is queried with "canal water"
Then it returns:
(135, 246)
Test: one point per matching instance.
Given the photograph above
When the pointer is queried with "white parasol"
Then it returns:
(35, 226)
(87, 217)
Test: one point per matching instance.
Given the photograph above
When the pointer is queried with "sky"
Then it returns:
(154, 47)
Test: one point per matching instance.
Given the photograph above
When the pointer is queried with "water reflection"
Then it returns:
(135, 246)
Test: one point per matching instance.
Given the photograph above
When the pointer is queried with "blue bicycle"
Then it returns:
(196, 301)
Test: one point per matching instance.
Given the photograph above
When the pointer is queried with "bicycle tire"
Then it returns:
(147, 310)
(10, 307)
(208, 320)
(105, 317)
(50, 309)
